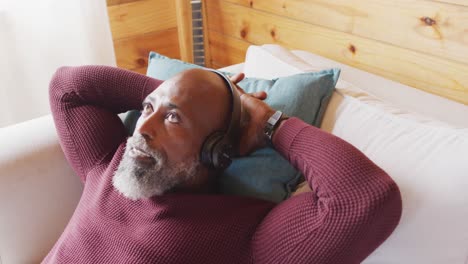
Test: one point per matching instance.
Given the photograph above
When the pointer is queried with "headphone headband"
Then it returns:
(219, 148)
(235, 107)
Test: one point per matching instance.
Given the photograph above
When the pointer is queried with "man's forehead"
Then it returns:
(153, 98)
(187, 93)
(170, 95)
(174, 87)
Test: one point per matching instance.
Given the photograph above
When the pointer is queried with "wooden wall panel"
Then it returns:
(457, 2)
(119, 2)
(141, 26)
(140, 17)
(184, 27)
(132, 53)
(435, 28)
(434, 74)
(225, 50)
(206, 38)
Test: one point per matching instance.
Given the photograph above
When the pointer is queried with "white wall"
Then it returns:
(37, 37)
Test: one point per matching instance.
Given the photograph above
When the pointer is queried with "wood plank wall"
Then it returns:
(141, 26)
(421, 43)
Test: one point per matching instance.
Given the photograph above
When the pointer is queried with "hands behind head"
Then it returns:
(255, 114)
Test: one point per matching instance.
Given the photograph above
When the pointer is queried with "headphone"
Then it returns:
(221, 146)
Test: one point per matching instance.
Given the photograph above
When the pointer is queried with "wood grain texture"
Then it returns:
(207, 48)
(435, 28)
(184, 27)
(434, 74)
(457, 2)
(141, 17)
(225, 50)
(119, 2)
(132, 53)
(141, 26)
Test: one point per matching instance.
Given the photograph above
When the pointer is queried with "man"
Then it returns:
(149, 199)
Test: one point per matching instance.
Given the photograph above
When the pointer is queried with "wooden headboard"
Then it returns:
(420, 43)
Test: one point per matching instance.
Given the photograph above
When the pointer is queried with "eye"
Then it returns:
(172, 117)
(147, 109)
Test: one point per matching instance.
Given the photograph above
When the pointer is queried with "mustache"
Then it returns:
(139, 142)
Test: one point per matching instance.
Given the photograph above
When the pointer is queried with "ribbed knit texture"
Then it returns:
(354, 207)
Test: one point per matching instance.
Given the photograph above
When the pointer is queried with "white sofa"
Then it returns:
(38, 191)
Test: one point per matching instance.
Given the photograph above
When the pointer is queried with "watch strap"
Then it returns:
(273, 123)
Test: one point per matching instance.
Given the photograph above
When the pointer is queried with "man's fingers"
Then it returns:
(237, 78)
(262, 95)
(241, 91)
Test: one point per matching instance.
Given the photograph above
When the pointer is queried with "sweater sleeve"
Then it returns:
(85, 102)
(353, 208)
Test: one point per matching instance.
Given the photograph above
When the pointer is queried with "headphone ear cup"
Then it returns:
(222, 154)
(217, 151)
(209, 147)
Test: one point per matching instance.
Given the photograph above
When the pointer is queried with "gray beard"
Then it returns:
(137, 180)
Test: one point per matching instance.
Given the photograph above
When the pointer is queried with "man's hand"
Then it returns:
(237, 77)
(255, 114)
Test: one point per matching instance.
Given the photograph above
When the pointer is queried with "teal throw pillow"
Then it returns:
(264, 174)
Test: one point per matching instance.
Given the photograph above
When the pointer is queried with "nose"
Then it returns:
(146, 126)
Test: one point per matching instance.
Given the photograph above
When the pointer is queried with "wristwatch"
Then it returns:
(273, 123)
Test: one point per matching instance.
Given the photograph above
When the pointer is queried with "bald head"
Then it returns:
(203, 93)
(206, 78)
(164, 152)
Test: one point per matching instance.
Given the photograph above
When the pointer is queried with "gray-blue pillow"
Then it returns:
(264, 174)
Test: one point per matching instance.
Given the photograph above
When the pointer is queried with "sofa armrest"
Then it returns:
(38, 191)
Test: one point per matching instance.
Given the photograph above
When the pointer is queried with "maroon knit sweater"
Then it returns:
(353, 209)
